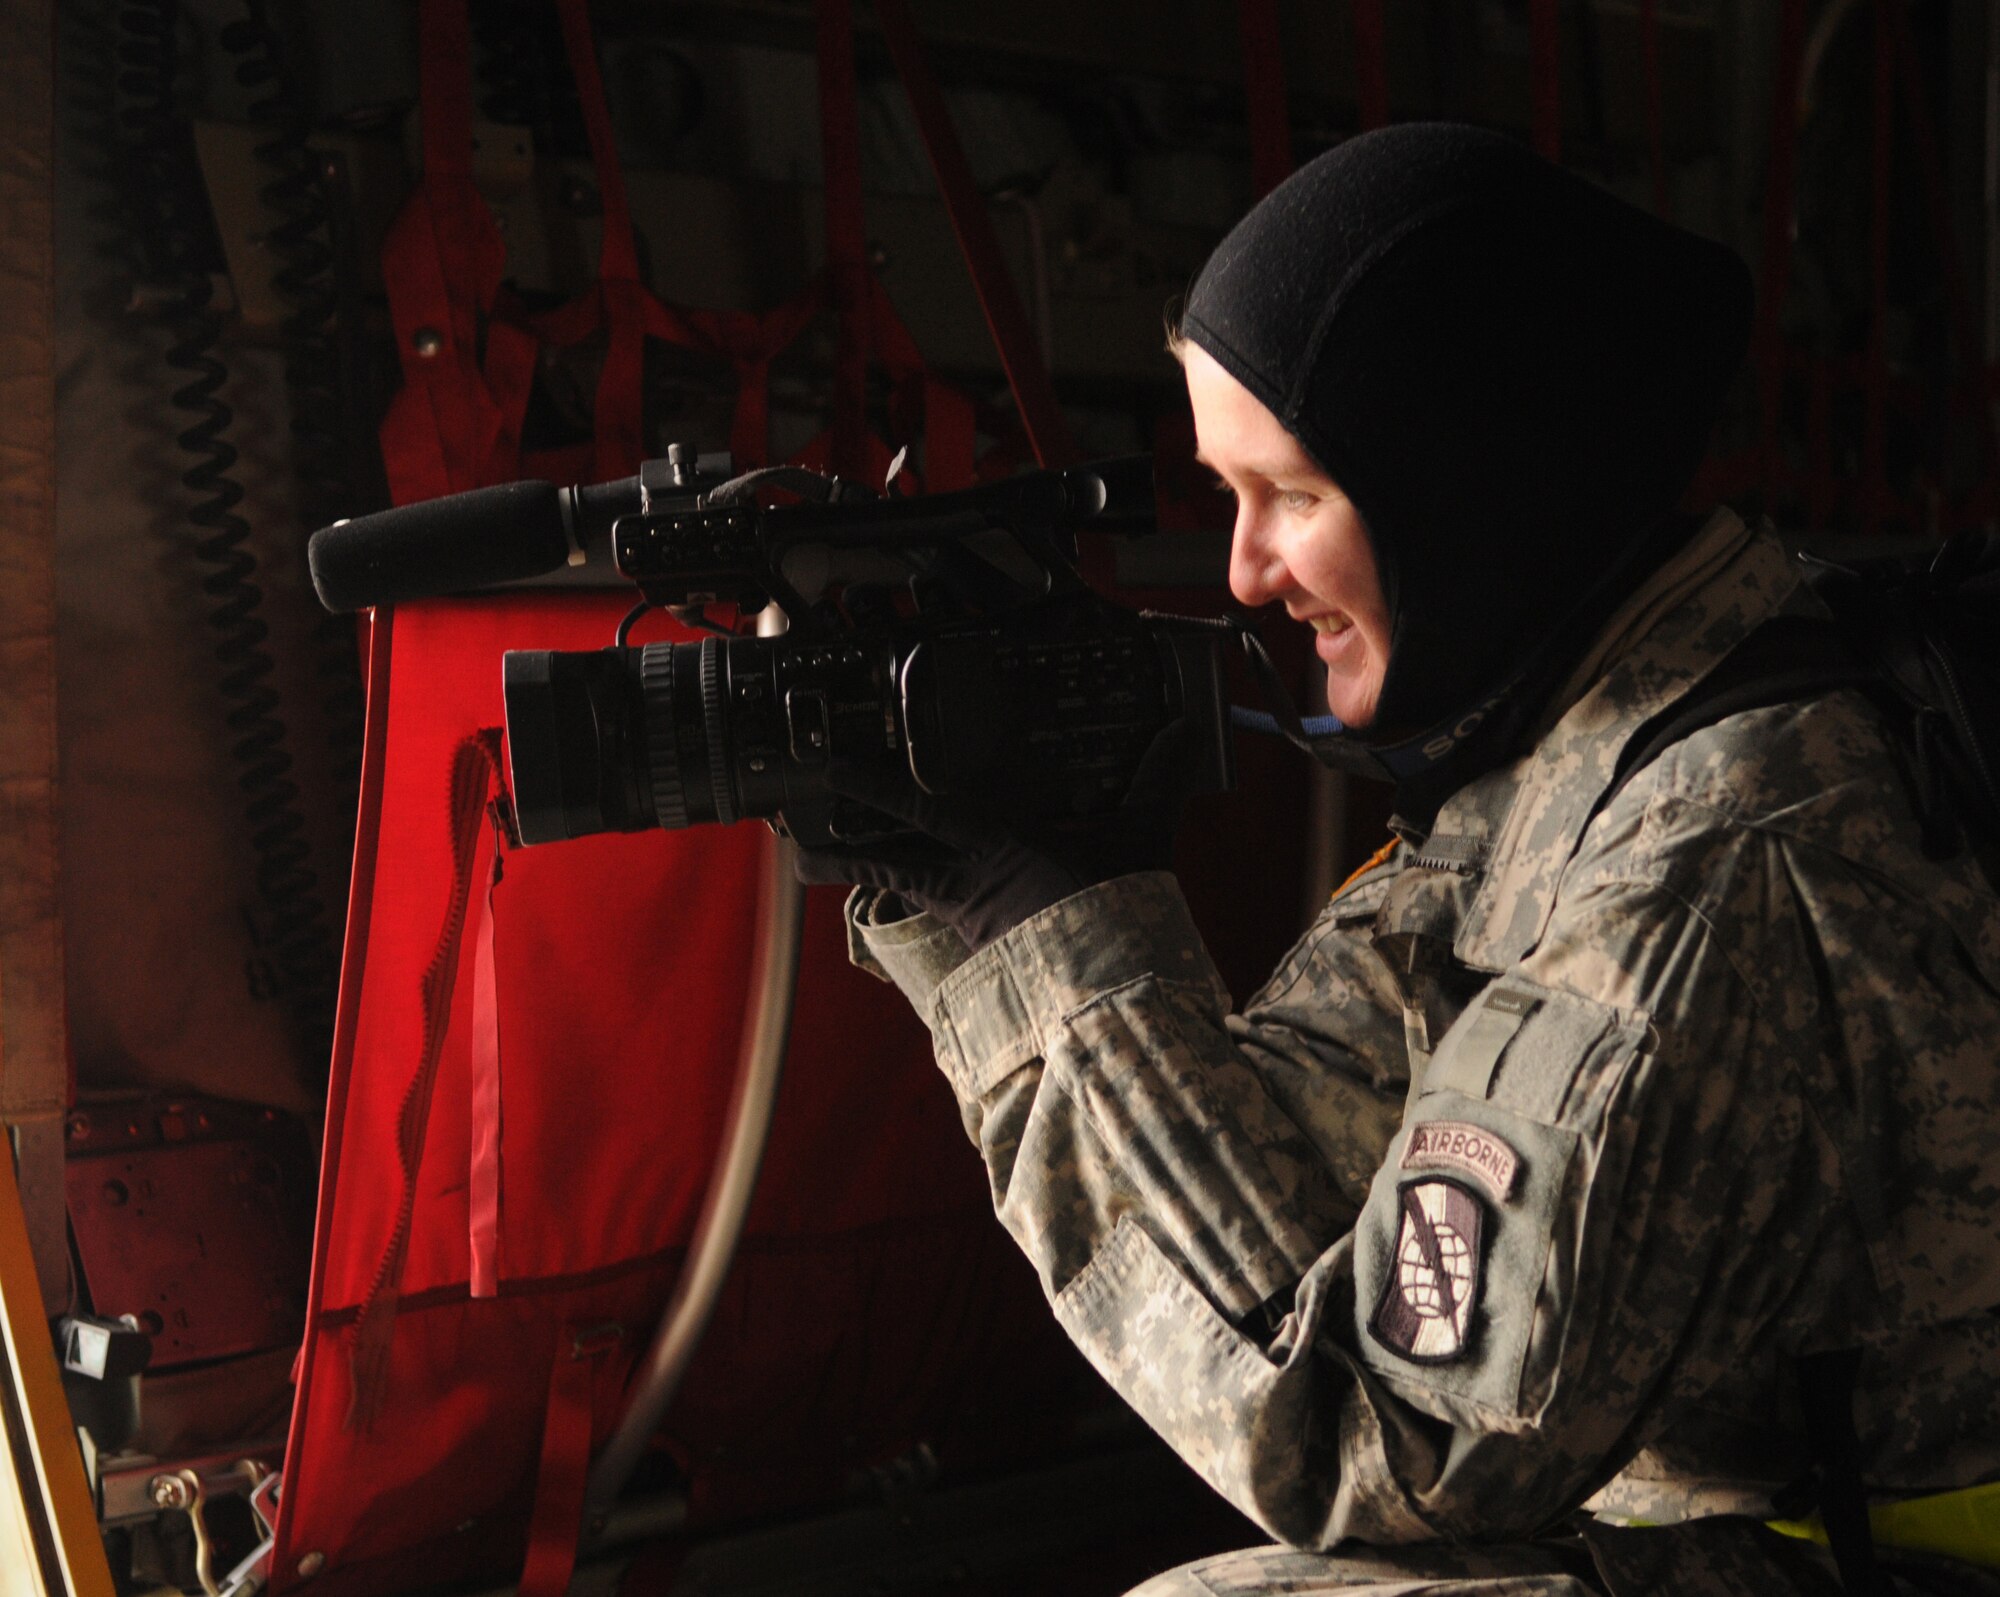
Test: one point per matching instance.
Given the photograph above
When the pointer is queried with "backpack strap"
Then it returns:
(1928, 621)
(1826, 1395)
(1787, 660)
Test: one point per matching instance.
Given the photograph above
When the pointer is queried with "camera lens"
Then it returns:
(570, 719)
(663, 764)
(683, 702)
(714, 687)
(615, 740)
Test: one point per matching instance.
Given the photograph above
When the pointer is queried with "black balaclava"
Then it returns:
(1511, 373)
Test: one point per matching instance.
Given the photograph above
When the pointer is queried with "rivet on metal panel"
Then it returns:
(169, 1491)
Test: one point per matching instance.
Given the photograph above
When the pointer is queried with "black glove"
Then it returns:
(977, 873)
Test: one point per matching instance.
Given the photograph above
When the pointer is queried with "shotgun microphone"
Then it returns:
(437, 546)
(490, 535)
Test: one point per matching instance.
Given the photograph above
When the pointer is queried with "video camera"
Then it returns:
(950, 633)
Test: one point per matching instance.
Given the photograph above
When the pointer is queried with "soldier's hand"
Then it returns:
(980, 874)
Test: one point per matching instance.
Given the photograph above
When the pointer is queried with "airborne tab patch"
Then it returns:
(1425, 1312)
(1470, 1150)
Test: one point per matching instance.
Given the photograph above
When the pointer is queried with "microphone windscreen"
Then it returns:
(438, 546)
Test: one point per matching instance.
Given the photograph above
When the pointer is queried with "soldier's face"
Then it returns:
(1298, 538)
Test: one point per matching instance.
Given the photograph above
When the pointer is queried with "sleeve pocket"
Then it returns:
(1228, 1179)
(1215, 1397)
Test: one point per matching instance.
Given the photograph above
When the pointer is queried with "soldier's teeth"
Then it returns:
(1331, 626)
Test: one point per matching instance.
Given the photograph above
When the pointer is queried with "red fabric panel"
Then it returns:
(876, 1290)
(443, 1488)
(445, 681)
(972, 225)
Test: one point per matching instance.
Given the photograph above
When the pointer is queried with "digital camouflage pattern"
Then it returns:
(1717, 1066)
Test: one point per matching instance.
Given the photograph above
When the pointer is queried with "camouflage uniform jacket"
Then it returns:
(1551, 1145)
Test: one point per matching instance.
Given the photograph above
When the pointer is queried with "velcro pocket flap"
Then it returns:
(1525, 1046)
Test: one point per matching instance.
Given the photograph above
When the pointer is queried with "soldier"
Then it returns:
(1610, 1170)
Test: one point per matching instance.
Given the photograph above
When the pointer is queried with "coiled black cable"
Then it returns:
(149, 129)
(178, 244)
(301, 245)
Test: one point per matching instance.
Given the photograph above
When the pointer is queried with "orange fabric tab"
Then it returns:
(1379, 857)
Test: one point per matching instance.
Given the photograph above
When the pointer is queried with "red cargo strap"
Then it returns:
(1545, 71)
(557, 1522)
(1264, 91)
(616, 421)
(618, 303)
(455, 422)
(483, 1180)
(474, 775)
(1048, 432)
(751, 342)
(1371, 64)
(452, 282)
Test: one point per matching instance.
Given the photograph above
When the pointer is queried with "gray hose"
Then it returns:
(781, 903)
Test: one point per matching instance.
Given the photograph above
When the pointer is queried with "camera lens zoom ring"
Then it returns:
(663, 759)
(714, 723)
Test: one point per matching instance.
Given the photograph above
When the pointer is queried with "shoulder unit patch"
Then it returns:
(1470, 1150)
(1425, 1312)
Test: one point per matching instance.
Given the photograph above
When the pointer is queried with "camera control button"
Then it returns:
(806, 721)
